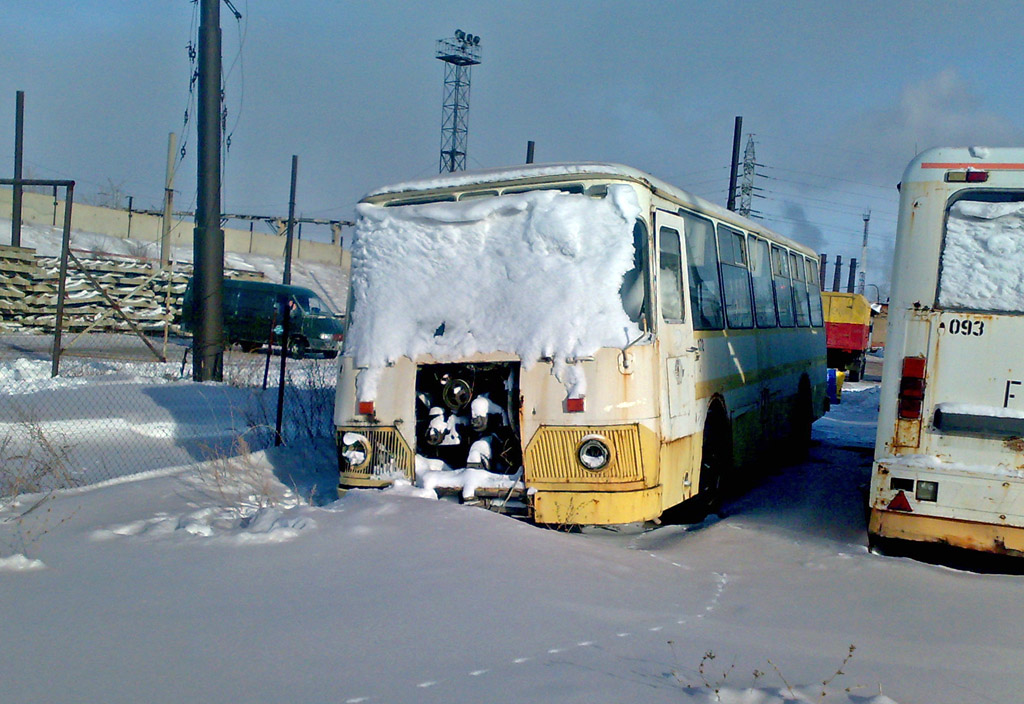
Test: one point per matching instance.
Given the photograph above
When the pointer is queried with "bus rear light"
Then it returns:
(575, 405)
(900, 503)
(911, 394)
(366, 408)
(927, 491)
(969, 176)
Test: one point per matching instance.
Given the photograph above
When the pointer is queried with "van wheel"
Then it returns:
(297, 348)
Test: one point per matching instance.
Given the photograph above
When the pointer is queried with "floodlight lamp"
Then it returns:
(460, 35)
(476, 40)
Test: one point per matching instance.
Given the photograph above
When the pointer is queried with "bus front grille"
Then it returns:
(551, 456)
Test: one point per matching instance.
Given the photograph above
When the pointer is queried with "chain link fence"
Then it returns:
(119, 400)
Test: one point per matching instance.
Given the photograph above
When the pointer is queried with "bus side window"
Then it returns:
(633, 290)
(702, 265)
(670, 276)
(800, 298)
(814, 291)
(780, 279)
(761, 273)
(732, 257)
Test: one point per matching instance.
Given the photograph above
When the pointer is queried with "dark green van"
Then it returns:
(252, 312)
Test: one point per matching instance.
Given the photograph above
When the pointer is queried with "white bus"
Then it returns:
(949, 455)
(579, 342)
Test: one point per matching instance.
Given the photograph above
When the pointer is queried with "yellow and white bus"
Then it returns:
(580, 342)
(949, 455)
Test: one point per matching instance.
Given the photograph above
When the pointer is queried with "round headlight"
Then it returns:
(355, 449)
(594, 453)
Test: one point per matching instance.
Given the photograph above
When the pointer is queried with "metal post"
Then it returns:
(19, 150)
(853, 276)
(65, 251)
(529, 152)
(208, 241)
(131, 203)
(822, 261)
(733, 169)
(837, 273)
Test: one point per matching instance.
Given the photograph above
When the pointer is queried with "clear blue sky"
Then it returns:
(839, 96)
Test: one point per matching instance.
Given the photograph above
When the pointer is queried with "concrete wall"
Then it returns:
(39, 209)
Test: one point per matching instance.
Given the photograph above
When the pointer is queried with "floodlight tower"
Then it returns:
(459, 53)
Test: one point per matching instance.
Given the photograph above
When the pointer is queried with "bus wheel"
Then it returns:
(800, 422)
(715, 461)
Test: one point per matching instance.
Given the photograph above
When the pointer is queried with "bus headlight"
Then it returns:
(593, 453)
(355, 448)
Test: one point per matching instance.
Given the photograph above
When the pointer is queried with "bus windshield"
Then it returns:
(538, 274)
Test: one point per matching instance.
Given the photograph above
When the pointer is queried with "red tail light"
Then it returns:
(366, 408)
(912, 387)
(575, 405)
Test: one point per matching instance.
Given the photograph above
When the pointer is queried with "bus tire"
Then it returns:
(801, 421)
(715, 461)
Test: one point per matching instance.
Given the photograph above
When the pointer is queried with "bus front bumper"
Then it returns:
(984, 537)
(596, 508)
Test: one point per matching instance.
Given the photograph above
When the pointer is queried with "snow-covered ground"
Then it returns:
(222, 581)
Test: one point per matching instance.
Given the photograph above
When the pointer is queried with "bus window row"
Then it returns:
(736, 280)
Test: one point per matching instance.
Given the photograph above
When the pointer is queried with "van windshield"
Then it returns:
(312, 305)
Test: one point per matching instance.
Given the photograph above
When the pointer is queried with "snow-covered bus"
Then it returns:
(579, 342)
(949, 455)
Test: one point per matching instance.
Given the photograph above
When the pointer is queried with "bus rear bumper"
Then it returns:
(983, 537)
(596, 508)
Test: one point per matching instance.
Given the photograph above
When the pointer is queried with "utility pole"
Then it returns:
(285, 311)
(165, 232)
(208, 239)
(864, 255)
(736, 135)
(19, 148)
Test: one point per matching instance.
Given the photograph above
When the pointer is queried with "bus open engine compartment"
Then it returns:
(467, 417)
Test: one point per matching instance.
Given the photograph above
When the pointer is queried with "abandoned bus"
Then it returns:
(581, 343)
(949, 455)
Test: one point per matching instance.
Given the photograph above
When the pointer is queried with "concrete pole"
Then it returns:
(208, 240)
(734, 168)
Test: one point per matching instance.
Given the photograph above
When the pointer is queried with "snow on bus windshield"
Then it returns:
(983, 257)
(535, 274)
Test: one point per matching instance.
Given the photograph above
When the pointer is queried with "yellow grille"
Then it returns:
(551, 455)
(390, 454)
